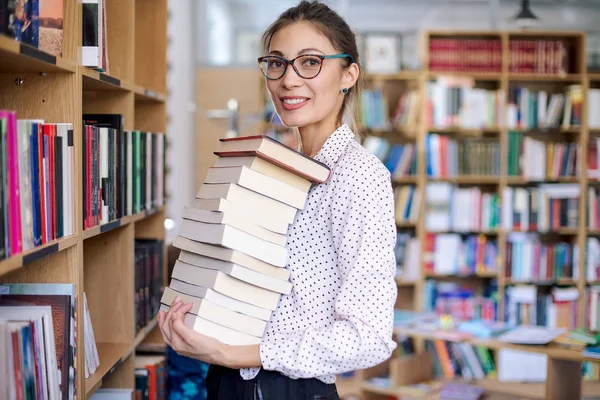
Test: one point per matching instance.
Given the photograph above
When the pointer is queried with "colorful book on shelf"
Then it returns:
(483, 329)
(588, 336)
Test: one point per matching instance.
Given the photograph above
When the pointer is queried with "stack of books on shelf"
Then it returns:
(123, 171)
(539, 160)
(149, 278)
(408, 257)
(447, 157)
(93, 47)
(464, 55)
(37, 198)
(544, 57)
(529, 109)
(456, 102)
(38, 357)
(461, 302)
(399, 159)
(151, 377)
(233, 240)
(408, 204)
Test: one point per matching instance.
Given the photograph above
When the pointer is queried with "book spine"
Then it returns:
(4, 250)
(14, 187)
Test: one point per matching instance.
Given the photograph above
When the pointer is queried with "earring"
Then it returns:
(344, 90)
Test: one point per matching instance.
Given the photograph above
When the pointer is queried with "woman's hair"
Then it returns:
(331, 25)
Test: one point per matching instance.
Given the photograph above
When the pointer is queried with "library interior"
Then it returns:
(145, 161)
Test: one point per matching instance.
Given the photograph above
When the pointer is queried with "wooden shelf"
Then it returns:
(100, 229)
(545, 78)
(19, 260)
(111, 356)
(465, 131)
(469, 179)
(406, 225)
(594, 76)
(478, 76)
(400, 76)
(406, 180)
(94, 80)
(146, 95)
(139, 338)
(485, 275)
(402, 283)
(19, 57)
(519, 180)
(540, 282)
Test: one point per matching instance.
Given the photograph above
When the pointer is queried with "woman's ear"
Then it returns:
(350, 76)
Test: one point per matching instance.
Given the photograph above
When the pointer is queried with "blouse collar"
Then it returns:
(334, 146)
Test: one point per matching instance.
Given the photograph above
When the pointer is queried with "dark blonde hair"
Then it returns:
(331, 25)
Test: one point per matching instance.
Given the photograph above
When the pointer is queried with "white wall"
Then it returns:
(180, 110)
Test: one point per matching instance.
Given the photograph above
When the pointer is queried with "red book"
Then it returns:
(277, 153)
(17, 366)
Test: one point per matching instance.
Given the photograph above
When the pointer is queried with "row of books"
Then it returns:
(534, 305)
(149, 278)
(461, 302)
(150, 377)
(455, 101)
(374, 111)
(232, 241)
(37, 336)
(592, 259)
(528, 259)
(545, 208)
(408, 204)
(455, 360)
(37, 196)
(447, 157)
(592, 308)
(453, 254)
(38, 26)
(593, 208)
(465, 55)
(123, 170)
(399, 159)
(530, 109)
(538, 56)
(407, 110)
(452, 208)
(539, 160)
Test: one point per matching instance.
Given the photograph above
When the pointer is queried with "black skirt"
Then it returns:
(226, 384)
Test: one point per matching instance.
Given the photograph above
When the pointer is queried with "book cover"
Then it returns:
(51, 26)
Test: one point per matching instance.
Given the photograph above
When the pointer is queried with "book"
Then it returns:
(235, 239)
(235, 220)
(275, 152)
(229, 255)
(217, 313)
(224, 300)
(226, 284)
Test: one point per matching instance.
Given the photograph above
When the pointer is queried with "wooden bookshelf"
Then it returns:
(503, 79)
(100, 260)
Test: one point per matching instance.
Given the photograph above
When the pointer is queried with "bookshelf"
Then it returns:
(500, 73)
(98, 260)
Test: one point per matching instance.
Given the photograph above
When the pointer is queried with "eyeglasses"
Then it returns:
(307, 66)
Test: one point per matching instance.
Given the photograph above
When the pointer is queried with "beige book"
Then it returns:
(236, 257)
(221, 333)
(234, 220)
(237, 271)
(253, 200)
(216, 313)
(225, 284)
(259, 183)
(220, 299)
(235, 239)
(261, 217)
(266, 168)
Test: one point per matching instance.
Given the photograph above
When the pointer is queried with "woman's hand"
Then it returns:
(186, 341)
(190, 343)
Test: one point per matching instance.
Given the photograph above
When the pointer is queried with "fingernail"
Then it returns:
(177, 298)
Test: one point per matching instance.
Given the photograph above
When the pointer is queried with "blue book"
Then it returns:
(35, 185)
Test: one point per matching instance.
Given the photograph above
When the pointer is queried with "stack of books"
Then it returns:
(233, 240)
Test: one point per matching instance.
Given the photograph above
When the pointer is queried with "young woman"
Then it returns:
(339, 315)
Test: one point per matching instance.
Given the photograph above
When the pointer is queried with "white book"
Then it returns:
(235, 239)
(236, 257)
(235, 220)
(219, 298)
(221, 333)
(104, 172)
(253, 200)
(260, 217)
(217, 313)
(259, 183)
(227, 285)
(237, 271)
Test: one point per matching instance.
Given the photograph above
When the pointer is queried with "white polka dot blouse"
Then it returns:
(339, 315)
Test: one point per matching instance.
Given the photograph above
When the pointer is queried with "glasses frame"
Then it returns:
(287, 62)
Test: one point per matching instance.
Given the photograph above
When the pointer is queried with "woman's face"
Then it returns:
(298, 101)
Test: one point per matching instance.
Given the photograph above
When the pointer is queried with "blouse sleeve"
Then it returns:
(364, 237)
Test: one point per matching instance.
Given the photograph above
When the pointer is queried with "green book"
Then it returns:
(586, 335)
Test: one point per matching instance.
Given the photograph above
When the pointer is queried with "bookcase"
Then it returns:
(98, 260)
(500, 63)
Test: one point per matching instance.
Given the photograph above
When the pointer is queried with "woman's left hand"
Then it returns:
(186, 341)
